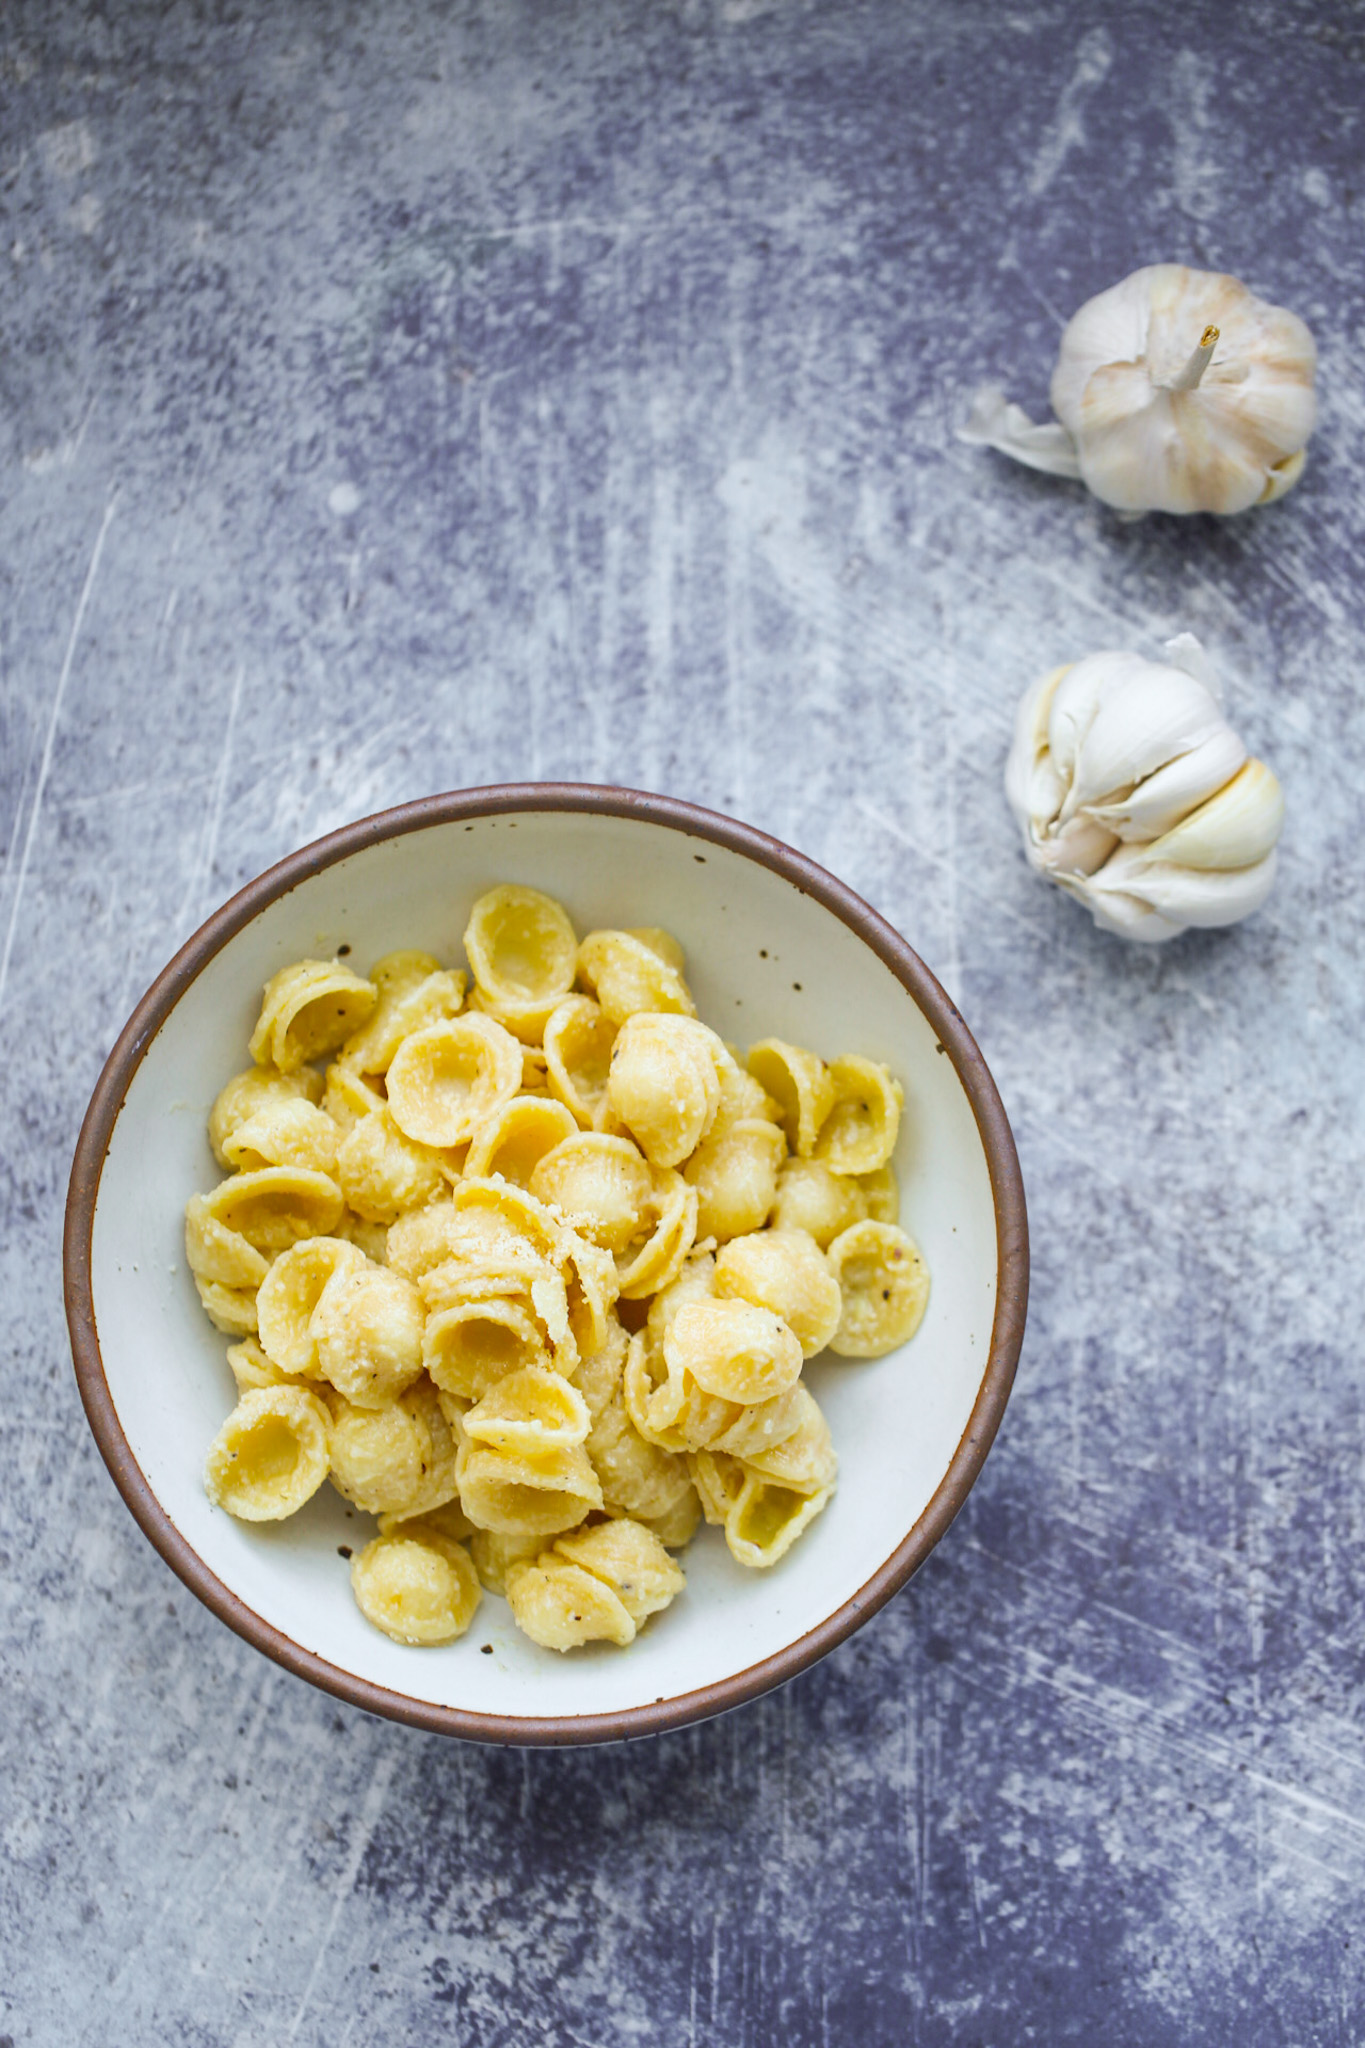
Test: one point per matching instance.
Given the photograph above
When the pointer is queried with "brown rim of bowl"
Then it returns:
(954, 1039)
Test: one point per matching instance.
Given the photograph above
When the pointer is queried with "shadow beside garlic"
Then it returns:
(1176, 390)
(1135, 795)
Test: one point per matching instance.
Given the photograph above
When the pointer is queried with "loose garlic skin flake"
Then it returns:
(1177, 391)
(1135, 795)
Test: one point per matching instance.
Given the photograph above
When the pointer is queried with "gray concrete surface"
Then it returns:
(403, 397)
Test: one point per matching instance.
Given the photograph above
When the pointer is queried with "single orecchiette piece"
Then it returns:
(308, 1010)
(446, 1079)
(532, 1413)
(523, 951)
(271, 1454)
(247, 1094)
(276, 1206)
(630, 1560)
(678, 1525)
(767, 1518)
(810, 1197)
(784, 1271)
(215, 1252)
(669, 1232)
(513, 1141)
(472, 1345)
(665, 1083)
(601, 1186)
(578, 1045)
(885, 1287)
(630, 971)
(285, 1134)
(417, 1588)
(801, 1085)
(519, 1493)
(859, 1133)
(382, 1172)
(399, 1459)
(414, 991)
(735, 1175)
(637, 1478)
(805, 1460)
(288, 1296)
(367, 1329)
(561, 1607)
(733, 1349)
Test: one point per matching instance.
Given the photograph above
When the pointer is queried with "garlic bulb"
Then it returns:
(1135, 795)
(1177, 391)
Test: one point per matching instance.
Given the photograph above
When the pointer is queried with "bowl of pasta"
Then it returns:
(545, 1263)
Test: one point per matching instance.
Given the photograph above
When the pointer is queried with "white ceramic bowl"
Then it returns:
(774, 947)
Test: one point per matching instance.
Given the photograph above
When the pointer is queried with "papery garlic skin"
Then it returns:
(1135, 795)
(1177, 390)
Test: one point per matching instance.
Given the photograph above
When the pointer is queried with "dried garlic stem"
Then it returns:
(1189, 377)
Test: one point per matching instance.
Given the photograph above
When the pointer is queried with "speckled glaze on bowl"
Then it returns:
(775, 946)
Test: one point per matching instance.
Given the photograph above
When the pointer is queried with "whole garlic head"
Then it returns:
(1135, 795)
(1177, 391)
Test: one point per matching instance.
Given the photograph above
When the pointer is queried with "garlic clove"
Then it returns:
(1183, 895)
(1235, 828)
(1125, 916)
(1157, 714)
(1079, 694)
(1283, 477)
(1078, 849)
(1159, 802)
(1033, 784)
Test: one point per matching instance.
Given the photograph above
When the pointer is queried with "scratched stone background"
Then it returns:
(403, 397)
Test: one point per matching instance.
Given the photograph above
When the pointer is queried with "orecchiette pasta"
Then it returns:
(367, 1329)
(800, 1084)
(578, 1047)
(859, 1133)
(665, 1084)
(285, 1134)
(735, 1176)
(417, 1588)
(514, 1140)
(447, 1078)
(885, 1287)
(810, 1197)
(597, 1585)
(785, 1271)
(382, 1172)
(600, 1184)
(290, 1293)
(523, 951)
(632, 971)
(414, 991)
(270, 1456)
(533, 1279)
(308, 1011)
(247, 1094)
(469, 1347)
